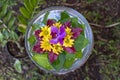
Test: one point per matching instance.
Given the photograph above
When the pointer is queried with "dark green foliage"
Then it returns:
(7, 25)
(27, 12)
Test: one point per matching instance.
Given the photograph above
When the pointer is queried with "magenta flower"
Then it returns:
(37, 49)
(37, 32)
(50, 22)
(67, 24)
(76, 32)
(70, 49)
(52, 57)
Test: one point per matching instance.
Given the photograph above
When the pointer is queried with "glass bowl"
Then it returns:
(55, 14)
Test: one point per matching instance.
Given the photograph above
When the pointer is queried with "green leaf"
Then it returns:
(24, 12)
(1, 37)
(6, 34)
(4, 43)
(42, 60)
(33, 2)
(64, 15)
(65, 20)
(13, 35)
(81, 26)
(11, 22)
(22, 20)
(4, 10)
(70, 58)
(80, 43)
(45, 18)
(8, 16)
(74, 22)
(58, 64)
(27, 5)
(21, 29)
(79, 54)
(35, 27)
(17, 66)
(32, 39)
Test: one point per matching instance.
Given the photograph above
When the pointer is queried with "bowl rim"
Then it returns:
(88, 30)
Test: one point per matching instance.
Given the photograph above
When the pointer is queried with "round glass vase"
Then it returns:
(54, 13)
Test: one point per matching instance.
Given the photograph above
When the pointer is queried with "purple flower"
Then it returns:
(52, 57)
(50, 22)
(60, 34)
(76, 32)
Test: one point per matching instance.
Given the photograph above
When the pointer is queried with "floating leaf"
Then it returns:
(42, 60)
(17, 66)
(58, 64)
(35, 27)
(70, 58)
(80, 43)
(64, 17)
(45, 18)
(74, 22)
(78, 54)
(81, 26)
(32, 39)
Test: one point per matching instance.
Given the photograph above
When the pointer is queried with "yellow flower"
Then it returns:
(68, 42)
(57, 48)
(45, 44)
(45, 32)
(58, 24)
(68, 31)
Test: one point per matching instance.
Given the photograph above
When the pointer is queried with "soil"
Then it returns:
(15, 51)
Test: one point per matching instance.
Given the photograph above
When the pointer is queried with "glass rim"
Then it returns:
(88, 33)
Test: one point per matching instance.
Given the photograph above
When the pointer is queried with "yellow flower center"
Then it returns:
(68, 42)
(45, 44)
(57, 48)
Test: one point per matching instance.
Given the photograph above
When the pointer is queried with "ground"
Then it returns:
(103, 64)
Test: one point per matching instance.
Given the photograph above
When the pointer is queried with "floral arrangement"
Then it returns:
(58, 44)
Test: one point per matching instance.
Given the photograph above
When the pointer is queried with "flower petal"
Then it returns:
(76, 32)
(62, 29)
(54, 41)
(54, 29)
(62, 33)
(37, 32)
(52, 57)
(37, 49)
(70, 49)
(50, 22)
(67, 24)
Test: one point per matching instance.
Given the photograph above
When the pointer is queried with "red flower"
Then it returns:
(52, 57)
(76, 32)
